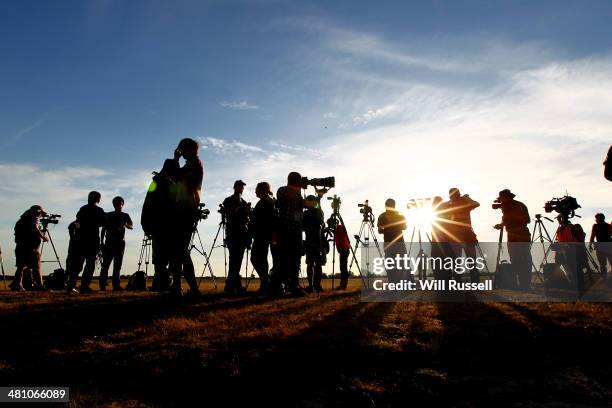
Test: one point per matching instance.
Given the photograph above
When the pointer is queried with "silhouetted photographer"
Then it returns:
(156, 220)
(113, 243)
(315, 244)
(515, 218)
(185, 215)
(90, 219)
(290, 205)
(262, 228)
(28, 238)
(237, 238)
(459, 208)
(602, 232)
(392, 225)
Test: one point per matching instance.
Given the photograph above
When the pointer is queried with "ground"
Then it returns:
(138, 349)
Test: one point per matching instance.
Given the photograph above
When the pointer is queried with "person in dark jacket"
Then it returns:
(262, 229)
(156, 220)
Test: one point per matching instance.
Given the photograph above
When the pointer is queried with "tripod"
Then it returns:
(212, 248)
(542, 237)
(145, 254)
(45, 230)
(366, 230)
(336, 219)
(422, 272)
(200, 249)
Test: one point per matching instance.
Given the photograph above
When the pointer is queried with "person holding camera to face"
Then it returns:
(290, 206)
(237, 238)
(459, 208)
(28, 238)
(186, 193)
(515, 218)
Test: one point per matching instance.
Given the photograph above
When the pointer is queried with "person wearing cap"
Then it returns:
(262, 228)
(237, 238)
(602, 232)
(113, 243)
(314, 245)
(28, 237)
(515, 218)
(459, 208)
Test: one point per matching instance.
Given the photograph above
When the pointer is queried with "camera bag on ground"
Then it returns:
(137, 281)
(506, 276)
(56, 280)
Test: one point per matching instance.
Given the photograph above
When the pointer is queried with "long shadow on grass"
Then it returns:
(489, 358)
(115, 373)
(36, 330)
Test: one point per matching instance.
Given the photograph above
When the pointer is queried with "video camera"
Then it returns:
(47, 219)
(202, 212)
(365, 208)
(566, 205)
(327, 182)
(496, 204)
(335, 202)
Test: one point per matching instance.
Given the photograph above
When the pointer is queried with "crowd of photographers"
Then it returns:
(172, 210)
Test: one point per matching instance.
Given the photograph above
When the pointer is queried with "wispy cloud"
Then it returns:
(228, 146)
(238, 105)
(27, 129)
(373, 114)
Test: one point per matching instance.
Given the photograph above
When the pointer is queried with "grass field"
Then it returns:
(138, 349)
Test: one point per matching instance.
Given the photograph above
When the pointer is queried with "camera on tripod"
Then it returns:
(566, 205)
(496, 204)
(327, 182)
(47, 219)
(202, 213)
(365, 208)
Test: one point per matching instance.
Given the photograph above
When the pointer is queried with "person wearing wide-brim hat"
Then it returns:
(515, 218)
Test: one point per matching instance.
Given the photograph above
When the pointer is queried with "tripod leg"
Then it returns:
(207, 256)
(353, 252)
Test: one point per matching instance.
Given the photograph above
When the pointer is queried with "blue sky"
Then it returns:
(394, 98)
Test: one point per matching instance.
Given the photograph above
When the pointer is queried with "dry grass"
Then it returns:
(137, 349)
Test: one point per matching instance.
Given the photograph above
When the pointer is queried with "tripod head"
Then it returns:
(539, 217)
(335, 204)
(47, 219)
